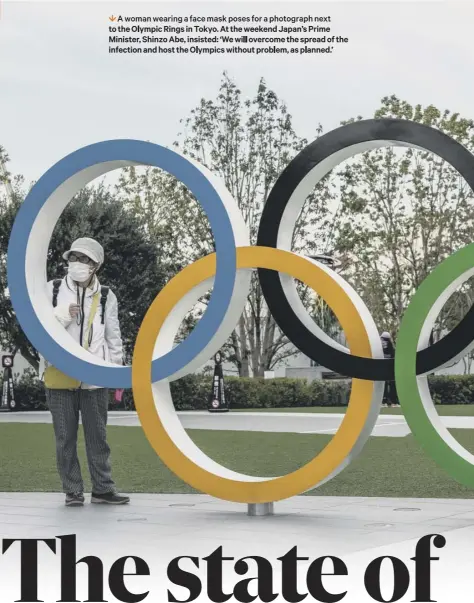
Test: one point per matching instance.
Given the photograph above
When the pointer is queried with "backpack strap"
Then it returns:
(104, 291)
(56, 284)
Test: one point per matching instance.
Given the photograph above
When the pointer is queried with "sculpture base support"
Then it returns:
(260, 509)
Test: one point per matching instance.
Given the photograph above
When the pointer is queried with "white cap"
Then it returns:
(89, 247)
(385, 335)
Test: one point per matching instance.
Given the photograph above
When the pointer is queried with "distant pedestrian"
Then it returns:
(390, 397)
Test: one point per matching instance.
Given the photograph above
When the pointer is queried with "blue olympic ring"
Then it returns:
(143, 153)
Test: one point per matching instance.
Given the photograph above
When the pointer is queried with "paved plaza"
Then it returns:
(159, 528)
(341, 524)
(277, 422)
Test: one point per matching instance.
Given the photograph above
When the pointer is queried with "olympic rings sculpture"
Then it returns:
(228, 271)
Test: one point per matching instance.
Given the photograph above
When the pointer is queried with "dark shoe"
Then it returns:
(110, 498)
(74, 500)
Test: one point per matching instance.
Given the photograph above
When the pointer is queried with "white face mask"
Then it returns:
(79, 272)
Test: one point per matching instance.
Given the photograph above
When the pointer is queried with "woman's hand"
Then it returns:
(74, 310)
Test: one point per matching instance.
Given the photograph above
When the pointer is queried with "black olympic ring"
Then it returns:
(394, 131)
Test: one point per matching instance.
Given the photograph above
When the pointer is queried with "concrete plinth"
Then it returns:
(260, 509)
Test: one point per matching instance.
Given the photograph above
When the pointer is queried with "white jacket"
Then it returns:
(105, 339)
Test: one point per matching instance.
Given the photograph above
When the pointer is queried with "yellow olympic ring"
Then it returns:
(164, 430)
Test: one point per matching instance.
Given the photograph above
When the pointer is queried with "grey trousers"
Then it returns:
(65, 406)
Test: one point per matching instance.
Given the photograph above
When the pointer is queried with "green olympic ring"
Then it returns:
(413, 391)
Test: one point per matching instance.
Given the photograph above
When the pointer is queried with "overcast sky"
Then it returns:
(60, 89)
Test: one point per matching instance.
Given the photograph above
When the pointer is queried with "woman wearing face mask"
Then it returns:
(89, 313)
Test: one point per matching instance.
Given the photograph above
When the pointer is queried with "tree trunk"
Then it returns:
(30, 358)
(245, 366)
(244, 369)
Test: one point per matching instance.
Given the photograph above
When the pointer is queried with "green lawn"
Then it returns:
(461, 410)
(387, 467)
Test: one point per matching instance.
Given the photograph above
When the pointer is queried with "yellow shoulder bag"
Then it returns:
(54, 378)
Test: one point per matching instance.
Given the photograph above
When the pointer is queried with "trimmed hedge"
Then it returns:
(29, 391)
(192, 392)
(452, 389)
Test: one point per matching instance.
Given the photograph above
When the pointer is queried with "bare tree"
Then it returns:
(402, 212)
(248, 143)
